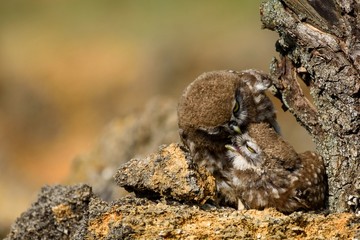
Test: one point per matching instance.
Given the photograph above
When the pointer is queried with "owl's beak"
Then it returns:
(236, 129)
(230, 147)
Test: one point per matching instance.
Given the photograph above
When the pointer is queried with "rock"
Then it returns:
(169, 173)
(73, 212)
(59, 213)
(135, 218)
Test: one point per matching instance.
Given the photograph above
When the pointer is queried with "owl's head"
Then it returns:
(216, 103)
(245, 153)
(259, 147)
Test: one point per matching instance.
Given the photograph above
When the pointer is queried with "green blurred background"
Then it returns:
(68, 67)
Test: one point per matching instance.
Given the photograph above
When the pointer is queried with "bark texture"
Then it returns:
(319, 43)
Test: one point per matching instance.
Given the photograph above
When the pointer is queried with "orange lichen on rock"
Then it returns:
(62, 212)
(144, 219)
(178, 211)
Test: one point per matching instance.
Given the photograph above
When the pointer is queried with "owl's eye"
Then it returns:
(250, 148)
(236, 107)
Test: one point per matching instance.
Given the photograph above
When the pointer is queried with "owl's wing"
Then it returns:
(312, 185)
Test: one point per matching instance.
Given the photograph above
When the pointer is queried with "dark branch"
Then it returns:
(292, 96)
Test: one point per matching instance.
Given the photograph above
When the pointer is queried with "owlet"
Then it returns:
(215, 107)
(267, 172)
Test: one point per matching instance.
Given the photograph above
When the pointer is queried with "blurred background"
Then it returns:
(68, 67)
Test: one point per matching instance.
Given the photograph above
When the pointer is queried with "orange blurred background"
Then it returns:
(68, 67)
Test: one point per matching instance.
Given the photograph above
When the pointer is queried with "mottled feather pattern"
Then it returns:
(222, 110)
(276, 176)
(207, 119)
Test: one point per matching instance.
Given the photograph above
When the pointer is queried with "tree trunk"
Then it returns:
(319, 43)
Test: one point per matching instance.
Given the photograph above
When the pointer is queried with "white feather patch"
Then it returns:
(275, 193)
(258, 98)
(260, 86)
(240, 163)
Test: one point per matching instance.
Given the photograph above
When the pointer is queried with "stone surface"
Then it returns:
(59, 213)
(73, 212)
(134, 218)
(169, 173)
(178, 212)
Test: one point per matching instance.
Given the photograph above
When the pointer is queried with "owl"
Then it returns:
(215, 107)
(267, 172)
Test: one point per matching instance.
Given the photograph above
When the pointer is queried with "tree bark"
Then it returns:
(319, 43)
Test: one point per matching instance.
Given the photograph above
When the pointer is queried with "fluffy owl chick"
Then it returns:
(267, 172)
(213, 108)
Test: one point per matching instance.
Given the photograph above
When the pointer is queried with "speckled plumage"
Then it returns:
(207, 118)
(267, 172)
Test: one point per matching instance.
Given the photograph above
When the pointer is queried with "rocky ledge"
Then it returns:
(170, 201)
